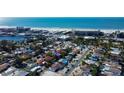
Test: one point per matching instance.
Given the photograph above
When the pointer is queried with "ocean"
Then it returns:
(65, 22)
(61, 22)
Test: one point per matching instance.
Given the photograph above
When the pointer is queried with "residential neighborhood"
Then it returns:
(39, 52)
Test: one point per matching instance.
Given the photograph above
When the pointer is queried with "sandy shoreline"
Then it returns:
(67, 29)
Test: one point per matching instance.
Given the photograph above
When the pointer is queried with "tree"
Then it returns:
(7, 45)
(50, 54)
(122, 55)
(79, 40)
(18, 63)
(94, 69)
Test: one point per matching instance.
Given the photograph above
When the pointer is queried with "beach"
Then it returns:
(51, 29)
(76, 29)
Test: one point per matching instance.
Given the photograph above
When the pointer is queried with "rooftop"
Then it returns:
(50, 73)
(115, 51)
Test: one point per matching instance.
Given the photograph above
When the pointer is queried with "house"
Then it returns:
(86, 71)
(64, 61)
(12, 71)
(90, 61)
(56, 66)
(94, 57)
(69, 58)
(64, 71)
(9, 71)
(19, 73)
(115, 51)
(61, 51)
(89, 37)
(56, 54)
(3, 67)
(6, 54)
(110, 69)
(48, 58)
(73, 54)
(50, 46)
(75, 60)
(114, 72)
(64, 37)
(50, 73)
(35, 68)
(30, 66)
(115, 54)
(40, 61)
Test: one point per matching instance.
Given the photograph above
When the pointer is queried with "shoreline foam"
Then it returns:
(67, 29)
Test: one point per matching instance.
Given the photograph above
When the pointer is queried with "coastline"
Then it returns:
(67, 29)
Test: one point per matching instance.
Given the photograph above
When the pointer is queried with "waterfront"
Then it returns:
(61, 52)
(12, 38)
(66, 22)
(62, 47)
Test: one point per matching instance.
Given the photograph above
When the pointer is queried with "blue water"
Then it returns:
(66, 22)
(62, 22)
(12, 38)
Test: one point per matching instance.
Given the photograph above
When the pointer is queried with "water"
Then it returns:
(62, 22)
(66, 22)
(12, 38)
